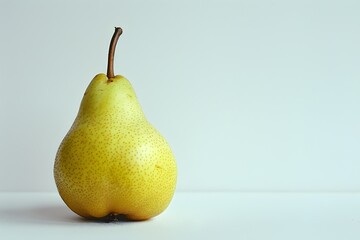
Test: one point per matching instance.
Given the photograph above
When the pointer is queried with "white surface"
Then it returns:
(250, 216)
(251, 94)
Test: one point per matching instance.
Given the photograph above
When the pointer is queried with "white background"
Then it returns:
(252, 95)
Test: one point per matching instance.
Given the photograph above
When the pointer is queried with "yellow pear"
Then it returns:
(113, 162)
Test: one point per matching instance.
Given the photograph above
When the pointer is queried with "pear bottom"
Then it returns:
(112, 201)
(134, 207)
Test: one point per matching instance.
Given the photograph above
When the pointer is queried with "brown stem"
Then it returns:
(114, 39)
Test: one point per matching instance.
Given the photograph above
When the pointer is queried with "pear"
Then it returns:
(113, 163)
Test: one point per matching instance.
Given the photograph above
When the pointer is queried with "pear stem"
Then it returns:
(114, 39)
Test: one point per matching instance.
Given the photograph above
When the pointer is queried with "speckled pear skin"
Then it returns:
(113, 161)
